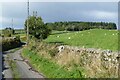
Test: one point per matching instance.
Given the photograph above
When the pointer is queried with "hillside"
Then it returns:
(95, 38)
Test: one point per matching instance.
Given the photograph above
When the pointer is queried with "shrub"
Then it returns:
(53, 52)
(10, 43)
(17, 37)
(8, 32)
(7, 35)
(23, 38)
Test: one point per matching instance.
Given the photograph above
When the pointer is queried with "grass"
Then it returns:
(38, 53)
(49, 68)
(14, 69)
(21, 35)
(19, 31)
(95, 38)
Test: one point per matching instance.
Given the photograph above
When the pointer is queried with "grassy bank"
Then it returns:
(14, 69)
(95, 38)
(49, 68)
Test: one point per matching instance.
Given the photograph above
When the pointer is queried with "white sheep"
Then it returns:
(58, 36)
(105, 34)
(69, 37)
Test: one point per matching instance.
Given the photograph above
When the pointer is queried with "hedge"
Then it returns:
(10, 43)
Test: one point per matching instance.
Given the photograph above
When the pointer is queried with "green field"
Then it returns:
(95, 38)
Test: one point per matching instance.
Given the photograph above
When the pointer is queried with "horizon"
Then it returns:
(59, 12)
(54, 22)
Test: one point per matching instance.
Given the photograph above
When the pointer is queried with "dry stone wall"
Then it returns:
(98, 63)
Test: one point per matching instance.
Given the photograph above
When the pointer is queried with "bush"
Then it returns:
(49, 68)
(23, 38)
(10, 43)
(2, 35)
(7, 35)
(17, 37)
(8, 32)
(53, 52)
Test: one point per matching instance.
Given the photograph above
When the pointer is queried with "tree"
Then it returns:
(37, 28)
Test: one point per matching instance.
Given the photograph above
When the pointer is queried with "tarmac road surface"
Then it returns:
(24, 69)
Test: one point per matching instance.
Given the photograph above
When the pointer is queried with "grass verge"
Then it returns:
(13, 67)
(49, 68)
(14, 70)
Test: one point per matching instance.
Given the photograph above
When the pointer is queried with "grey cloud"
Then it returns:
(60, 11)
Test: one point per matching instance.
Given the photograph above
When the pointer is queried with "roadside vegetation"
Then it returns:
(10, 43)
(11, 38)
(78, 62)
(14, 69)
(44, 62)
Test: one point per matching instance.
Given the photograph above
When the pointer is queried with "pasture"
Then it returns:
(95, 38)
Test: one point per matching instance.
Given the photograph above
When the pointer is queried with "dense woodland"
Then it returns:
(79, 26)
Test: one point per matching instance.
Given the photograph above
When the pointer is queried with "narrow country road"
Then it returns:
(23, 68)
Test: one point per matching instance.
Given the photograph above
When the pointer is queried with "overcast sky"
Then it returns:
(59, 11)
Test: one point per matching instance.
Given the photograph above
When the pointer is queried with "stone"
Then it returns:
(109, 59)
(78, 50)
(72, 49)
(60, 48)
(108, 54)
(106, 59)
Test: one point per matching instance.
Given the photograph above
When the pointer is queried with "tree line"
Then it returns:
(79, 26)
